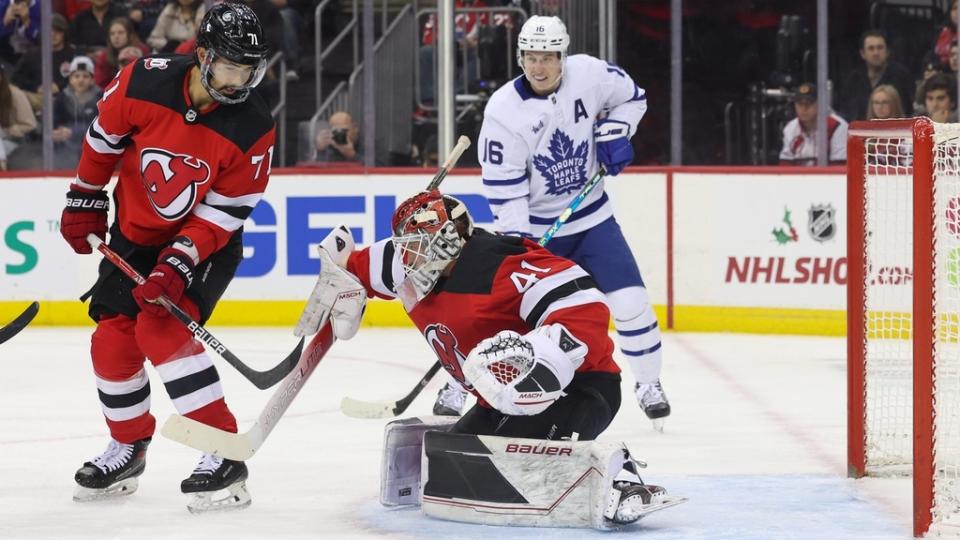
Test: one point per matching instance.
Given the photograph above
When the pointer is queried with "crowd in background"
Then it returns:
(93, 39)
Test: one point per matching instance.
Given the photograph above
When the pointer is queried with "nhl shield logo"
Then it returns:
(822, 224)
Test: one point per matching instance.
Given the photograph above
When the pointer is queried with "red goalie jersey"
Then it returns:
(182, 172)
(498, 283)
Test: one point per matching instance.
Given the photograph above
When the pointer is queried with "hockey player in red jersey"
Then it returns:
(524, 330)
(194, 144)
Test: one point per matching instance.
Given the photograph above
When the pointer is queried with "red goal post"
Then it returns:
(903, 297)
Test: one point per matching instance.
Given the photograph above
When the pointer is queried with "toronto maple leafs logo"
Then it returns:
(565, 169)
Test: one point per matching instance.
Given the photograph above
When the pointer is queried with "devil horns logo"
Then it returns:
(171, 181)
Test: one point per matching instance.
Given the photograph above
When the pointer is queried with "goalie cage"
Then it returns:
(903, 309)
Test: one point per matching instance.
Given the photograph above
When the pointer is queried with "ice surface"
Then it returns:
(757, 441)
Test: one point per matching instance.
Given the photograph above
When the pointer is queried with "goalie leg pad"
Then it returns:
(400, 465)
(526, 482)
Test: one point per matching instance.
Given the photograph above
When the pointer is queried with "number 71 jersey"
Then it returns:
(498, 283)
(182, 172)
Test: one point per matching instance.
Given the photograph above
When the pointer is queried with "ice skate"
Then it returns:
(653, 402)
(636, 499)
(113, 473)
(450, 400)
(217, 484)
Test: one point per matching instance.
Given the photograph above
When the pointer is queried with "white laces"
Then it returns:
(115, 456)
(209, 463)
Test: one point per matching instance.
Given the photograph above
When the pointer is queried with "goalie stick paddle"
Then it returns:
(20, 322)
(260, 379)
(388, 409)
(242, 446)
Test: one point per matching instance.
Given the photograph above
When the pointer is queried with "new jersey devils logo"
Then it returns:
(171, 181)
(156, 63)
(444, 343)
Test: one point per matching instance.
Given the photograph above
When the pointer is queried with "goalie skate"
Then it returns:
(113, 473)
(217, 484)
(631, 501)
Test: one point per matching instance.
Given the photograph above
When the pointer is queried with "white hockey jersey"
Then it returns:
(537, 152)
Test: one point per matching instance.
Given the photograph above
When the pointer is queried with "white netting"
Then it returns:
(888, 291)
(888, 297)
(946, 186)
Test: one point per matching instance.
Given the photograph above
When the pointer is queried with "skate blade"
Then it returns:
(658, 424)
(631, 513)
(120, 489)
(236, 497)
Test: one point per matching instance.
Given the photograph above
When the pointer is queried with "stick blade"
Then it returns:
(20, 322)
(355, 408)
(235, 446)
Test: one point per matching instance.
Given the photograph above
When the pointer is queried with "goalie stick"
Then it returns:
(260, 379)
(242, 446)
(356, 408)
(20, 322)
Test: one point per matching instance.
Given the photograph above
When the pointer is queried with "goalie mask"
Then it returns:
(236, 53)
(429, 230)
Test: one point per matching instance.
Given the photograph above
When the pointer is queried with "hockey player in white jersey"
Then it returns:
(543, 136)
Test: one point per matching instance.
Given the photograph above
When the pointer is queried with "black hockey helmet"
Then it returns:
(231, 31)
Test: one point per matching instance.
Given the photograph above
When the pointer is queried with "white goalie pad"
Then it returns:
(525, 482)
(400, 465)
(338, 294)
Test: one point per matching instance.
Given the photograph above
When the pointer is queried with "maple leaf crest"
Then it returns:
(565, 169)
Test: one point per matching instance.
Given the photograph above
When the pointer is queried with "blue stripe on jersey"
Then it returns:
(655, 348)
(508, 182)
(639, 332)
(637, 96)
(498, 201)
(583, 212)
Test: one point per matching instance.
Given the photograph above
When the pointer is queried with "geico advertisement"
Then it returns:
(760, 240)
(35, 262)
(281, 235)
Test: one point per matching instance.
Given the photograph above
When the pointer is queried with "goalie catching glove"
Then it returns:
(338, 294)
(523, 375)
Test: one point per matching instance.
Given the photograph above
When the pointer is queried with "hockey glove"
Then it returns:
(614, 150)
(172, 275)
(338, 294)
(84, 213)
(523, 375)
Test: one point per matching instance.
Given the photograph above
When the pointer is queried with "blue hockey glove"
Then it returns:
(614, 150)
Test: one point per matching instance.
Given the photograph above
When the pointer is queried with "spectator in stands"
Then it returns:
(88, 31)
(128, 54)
(178, 22)
(466, 34)
(21, 24)
(339, 142)
(292, 33)
(947, 36)
(877, 69)
(799, 135)
(122, 35)
(931, 66)
(144, 14)
(885, 103)
(73, 111)
(27, 76)
(940, 98)
(16, 114)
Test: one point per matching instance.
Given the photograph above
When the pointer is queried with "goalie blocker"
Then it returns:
(512, 481)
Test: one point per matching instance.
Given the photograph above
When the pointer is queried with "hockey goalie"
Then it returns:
(523, 330)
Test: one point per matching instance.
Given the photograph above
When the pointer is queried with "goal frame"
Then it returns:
(921, 131)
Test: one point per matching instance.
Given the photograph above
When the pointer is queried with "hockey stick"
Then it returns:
(260, 379)
(382, 409)
(242, 446)
(19, 323)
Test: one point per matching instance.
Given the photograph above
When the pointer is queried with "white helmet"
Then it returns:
(541, 33)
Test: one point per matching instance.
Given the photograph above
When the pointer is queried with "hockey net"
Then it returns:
(903, 304)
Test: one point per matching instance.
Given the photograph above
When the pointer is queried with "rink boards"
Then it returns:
(752, 250)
